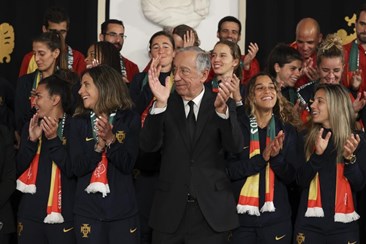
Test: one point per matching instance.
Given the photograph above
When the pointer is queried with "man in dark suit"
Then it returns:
(193, 202)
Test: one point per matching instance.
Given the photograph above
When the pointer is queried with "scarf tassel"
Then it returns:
(346, 218)
(98, 187)
(26, 188)
(251, 210)
(314, 212)
(268, 207)
(53, 218)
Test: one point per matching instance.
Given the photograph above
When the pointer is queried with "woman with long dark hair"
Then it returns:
(261, 172)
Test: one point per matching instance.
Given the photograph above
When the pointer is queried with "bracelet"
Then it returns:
(109, 143)
(98, 149)
(351, 160)
(239, 103)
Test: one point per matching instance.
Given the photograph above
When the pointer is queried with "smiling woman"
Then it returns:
(332, 174)
(161, 51)
(46, 180)
(268, 162)
(105, 144)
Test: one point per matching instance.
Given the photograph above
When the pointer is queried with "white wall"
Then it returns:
(139, 30)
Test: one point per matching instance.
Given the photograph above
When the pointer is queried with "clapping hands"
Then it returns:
(274, 147)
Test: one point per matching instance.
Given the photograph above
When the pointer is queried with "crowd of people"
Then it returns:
(202, 146)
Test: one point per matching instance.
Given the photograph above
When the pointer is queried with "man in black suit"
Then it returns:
(193, 202)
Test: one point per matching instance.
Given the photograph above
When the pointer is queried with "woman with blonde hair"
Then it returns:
(330, 59)
(261, 173)
(333, 171)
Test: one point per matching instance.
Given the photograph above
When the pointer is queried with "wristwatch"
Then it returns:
(351, 160)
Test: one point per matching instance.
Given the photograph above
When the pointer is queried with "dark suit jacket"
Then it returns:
(7, 179)
(198, 168)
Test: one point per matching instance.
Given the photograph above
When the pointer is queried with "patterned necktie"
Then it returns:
(191, 120)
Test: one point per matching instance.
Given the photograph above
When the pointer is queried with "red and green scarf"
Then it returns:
(344, 207)
(26, 183)
(99, 180)
(249, 194)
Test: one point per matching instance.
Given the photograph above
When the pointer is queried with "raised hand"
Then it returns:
(359, 102)
(321, 143)
(350, 145)
(49, 126)
(356, 79)
(34, 129)
(188, 39)
(309, 70)
(252, 52)
(160, 92)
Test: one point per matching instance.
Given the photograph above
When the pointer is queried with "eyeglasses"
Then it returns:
(114, 35)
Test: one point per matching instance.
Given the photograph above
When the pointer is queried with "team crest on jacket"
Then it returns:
(20, 228)
(300, 238)
(120, 136)
(85, 229)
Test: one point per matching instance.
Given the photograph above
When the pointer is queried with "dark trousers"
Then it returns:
(91, 231)
(304, 236)
(193, 229)
(30, 232)
(280, 233)
(145, 186)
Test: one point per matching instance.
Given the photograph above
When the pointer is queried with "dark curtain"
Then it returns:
(26, 17)
(270, 22)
